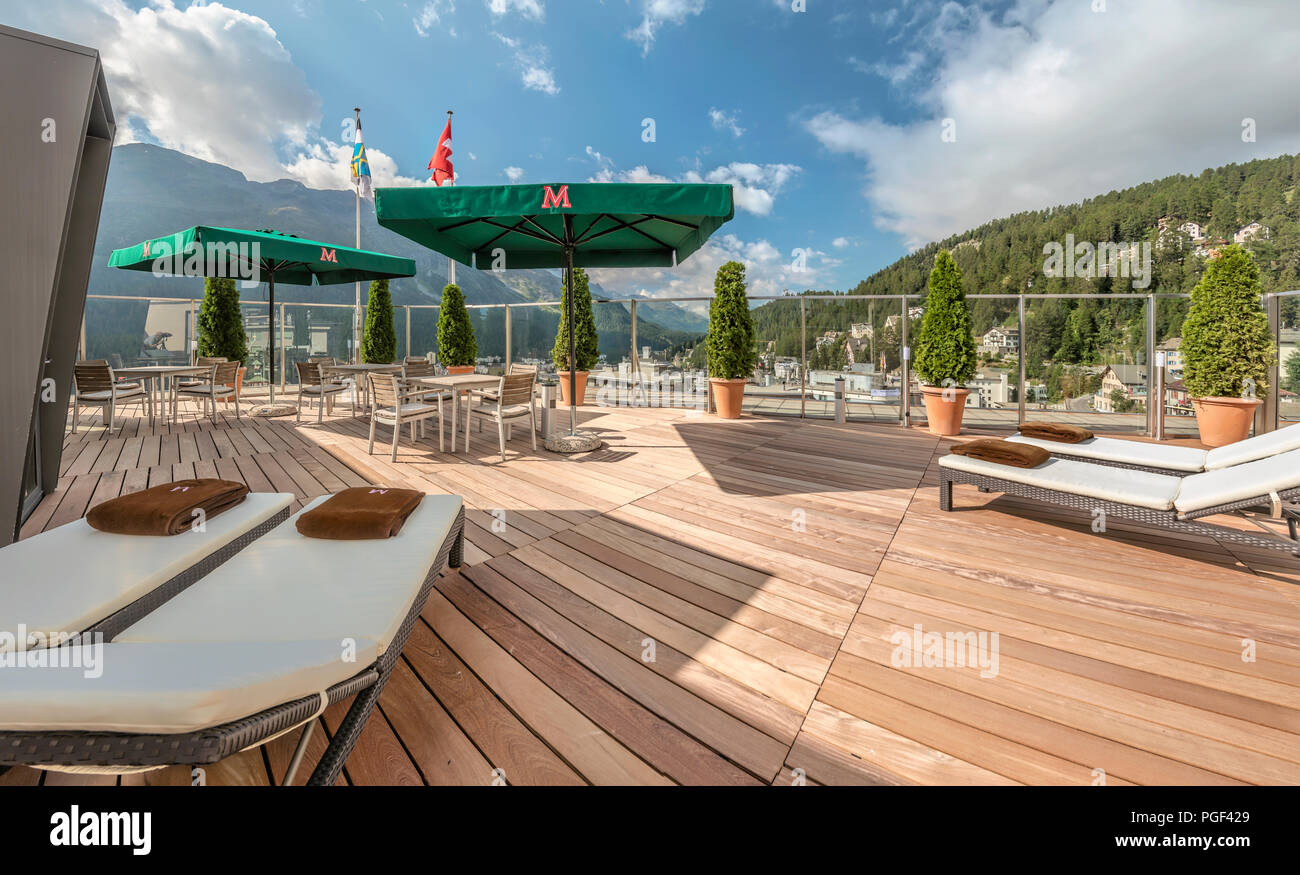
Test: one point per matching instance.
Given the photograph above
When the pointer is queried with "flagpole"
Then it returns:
(451, 271)
(356, 310)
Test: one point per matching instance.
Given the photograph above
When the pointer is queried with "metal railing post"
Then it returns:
(905, 370)
(803, 354)
(509, 351)
(636, 359)
(1023, 392)
(407, 308)
(1154, 404)
(83, 334)
(840, 416)
(192, 332)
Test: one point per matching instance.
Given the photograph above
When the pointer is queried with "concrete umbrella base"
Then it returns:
(582, 442)
(273, 410)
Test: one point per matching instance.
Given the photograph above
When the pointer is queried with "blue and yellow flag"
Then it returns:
(360, 167)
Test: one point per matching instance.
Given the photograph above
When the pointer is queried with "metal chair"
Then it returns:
(395, 406)
(94, 385)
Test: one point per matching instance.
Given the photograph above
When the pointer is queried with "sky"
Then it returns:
(852, 131)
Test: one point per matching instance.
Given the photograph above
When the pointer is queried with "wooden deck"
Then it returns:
(709, 602)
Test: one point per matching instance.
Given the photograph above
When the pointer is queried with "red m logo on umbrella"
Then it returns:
(554, 200)
(329, 255)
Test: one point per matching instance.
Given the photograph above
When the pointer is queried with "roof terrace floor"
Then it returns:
(711, 602)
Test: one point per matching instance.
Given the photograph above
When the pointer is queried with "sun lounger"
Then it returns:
(75, 579)
(1163, 459)
(258, 647)
(1167, 501)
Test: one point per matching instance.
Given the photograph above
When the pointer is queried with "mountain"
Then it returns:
(153, 191)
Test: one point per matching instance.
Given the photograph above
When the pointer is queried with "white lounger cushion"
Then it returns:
(266, 628)
(288, 587)
(170, 687)
(67, 579)
(1120, 485)
(1152, 455)
(1273, 443)
(1240, 482)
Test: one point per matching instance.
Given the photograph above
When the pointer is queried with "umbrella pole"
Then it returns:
(573, 344)
(270, 334)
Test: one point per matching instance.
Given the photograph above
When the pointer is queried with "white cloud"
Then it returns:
(841, 242)
(514, 174)
(207, 80)
(726, 121)
(656, 13)
(531, 9)
(431, 15)
(754, 186)
(533, 63)
(326, 164)
(769, 270)
(1053, 103)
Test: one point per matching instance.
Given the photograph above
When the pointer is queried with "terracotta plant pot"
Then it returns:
(239, 386)
(944, 413)
(1223, 421)
(564, 387)
(728, 395)
(460, 369)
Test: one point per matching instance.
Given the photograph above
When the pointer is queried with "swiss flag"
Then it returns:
(440, 163)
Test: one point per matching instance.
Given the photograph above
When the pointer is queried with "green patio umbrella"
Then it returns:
(559, 225)
(273, 256)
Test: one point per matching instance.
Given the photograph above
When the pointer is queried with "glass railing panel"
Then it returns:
(532, 337)
(1288, 358)
(490, 332)
(1179, 418)
(775, 387)
(668, 366)
(115, 332)
(424, 332)
(1085, 361)
(994, 399)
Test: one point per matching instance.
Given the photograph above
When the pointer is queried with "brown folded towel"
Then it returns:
(167, 509)
(360, 513)
(1055, 431)
(1003, 452)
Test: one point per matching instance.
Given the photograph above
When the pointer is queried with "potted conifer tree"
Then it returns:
(457, 345)
(378, 339)
(945, 356)
(730, 341)
(221, 325)
(584, 335)
(1227, 348)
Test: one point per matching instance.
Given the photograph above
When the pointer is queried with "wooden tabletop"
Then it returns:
(162, 370)
(457, 381)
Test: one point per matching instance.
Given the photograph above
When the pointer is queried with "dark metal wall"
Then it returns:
(56, 141)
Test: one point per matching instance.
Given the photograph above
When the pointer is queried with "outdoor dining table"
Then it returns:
(361, 385)
(152, 377)
(458, 384)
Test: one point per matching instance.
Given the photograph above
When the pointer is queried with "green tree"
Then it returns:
(946, 347)
(1227, 347)
(457, 345)
(586, 342)
(378, 339)
(1292, 380)
(221, 324)
(730, 341)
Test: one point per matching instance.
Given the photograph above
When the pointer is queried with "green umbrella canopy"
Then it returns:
(559, 225)
(270, 256)
(607, 224)
(283, 257)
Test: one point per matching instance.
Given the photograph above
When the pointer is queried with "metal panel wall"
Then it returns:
(56, 141)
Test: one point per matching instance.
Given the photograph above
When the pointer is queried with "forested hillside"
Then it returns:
(1006, 257)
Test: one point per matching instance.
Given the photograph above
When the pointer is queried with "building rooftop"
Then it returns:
(724, 603)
